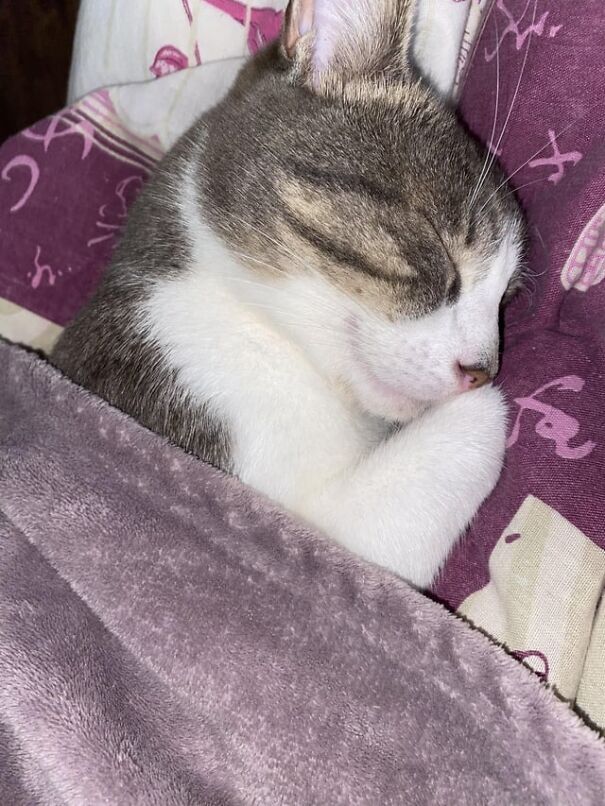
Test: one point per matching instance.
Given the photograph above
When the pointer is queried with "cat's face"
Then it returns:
(385, 246)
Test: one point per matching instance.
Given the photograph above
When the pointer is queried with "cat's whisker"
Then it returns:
(509, 177)
(311, 338)
(540, 238)
(536, 275)
(484, 167)
(284, 312)
(530, 283)
(496, 146)
(251, 259)
(264, 234)
(519, 82)
(244, 327)
(557, 135)
(513, 191)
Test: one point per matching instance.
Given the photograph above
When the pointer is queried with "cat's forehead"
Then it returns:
(371, 189)
(407, 148)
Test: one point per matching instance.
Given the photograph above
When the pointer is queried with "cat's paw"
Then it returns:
(473, 432)
(450, 460)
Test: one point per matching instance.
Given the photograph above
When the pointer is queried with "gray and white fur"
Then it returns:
(308, 291)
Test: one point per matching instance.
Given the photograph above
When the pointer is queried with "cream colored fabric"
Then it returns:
(446, 33)
(476, 15)
(546, 580)
(25, 327)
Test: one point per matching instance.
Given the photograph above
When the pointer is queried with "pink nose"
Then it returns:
(475, 377)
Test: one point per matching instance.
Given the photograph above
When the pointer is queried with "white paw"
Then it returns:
(454, 455)
(473, 429)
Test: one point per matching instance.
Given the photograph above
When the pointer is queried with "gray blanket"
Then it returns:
(167, 637)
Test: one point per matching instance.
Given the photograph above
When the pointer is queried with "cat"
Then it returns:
(307, 294)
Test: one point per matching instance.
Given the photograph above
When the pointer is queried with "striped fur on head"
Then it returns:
(339, 152)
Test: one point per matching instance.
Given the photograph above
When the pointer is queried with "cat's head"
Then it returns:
(375, 229)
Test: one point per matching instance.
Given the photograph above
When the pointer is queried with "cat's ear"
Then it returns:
(349, 38)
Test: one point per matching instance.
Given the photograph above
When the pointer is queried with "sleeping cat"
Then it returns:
(307, 294)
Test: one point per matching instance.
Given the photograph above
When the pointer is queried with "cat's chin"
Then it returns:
(396, 409)
(383, 400)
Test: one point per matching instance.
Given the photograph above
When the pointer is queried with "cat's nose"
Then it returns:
(476, 376)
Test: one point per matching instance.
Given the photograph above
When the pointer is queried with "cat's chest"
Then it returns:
(289, 425)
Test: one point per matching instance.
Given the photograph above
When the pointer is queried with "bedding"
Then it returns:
(531, 569)
(118, 43)
(169, 637)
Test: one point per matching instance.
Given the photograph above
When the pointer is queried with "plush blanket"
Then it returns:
(167, 637)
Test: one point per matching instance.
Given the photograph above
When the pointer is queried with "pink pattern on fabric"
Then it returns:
(492, 147)
(168, 60)
(111, 219)
(54, 179)
(187, 8)
(512, 29)
(22, 161)
(554, 425)
(265, 23)
(100, 107)
(557, 160)
(53, 132)
(585, 266)
(42, 270)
